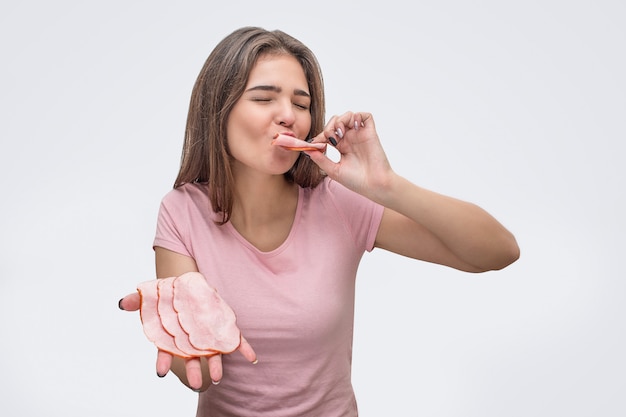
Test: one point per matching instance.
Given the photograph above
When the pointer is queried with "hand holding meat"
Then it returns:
(186, 318)
(363, 166)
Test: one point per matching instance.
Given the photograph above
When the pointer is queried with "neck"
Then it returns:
(264, 210)
(262, 199)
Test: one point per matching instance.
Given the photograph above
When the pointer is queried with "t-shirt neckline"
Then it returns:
(285, 243)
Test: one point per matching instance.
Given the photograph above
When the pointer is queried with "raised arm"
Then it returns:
(417, 223)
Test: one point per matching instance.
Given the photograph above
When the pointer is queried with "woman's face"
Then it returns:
(276, 99)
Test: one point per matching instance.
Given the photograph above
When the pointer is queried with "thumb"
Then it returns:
(324, 162)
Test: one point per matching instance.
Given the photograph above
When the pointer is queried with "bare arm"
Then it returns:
(417, 223)
(435, 228)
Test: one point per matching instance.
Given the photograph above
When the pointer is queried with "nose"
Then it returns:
(285, 116)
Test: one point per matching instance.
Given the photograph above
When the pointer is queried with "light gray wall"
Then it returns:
(517, 106)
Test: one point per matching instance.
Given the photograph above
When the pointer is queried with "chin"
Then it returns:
(282, 165)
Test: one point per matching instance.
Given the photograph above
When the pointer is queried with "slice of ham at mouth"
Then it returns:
(295, 144)
(186, 317)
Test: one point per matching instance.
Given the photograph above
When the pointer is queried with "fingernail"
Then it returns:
(119, 304)
(160, 375)
(333, 141)
(339, 133)
(356, 125)
(215, 382)
(255, 362)
(196, 390)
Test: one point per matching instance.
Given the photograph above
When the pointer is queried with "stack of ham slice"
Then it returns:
(186, 317)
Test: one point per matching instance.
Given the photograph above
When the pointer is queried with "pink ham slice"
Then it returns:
(186, 317)
(295, 144)
(152, 326)
(169, 319)
(203, 314)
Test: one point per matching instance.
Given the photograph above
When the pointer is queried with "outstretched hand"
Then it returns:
(363, 166)
(193, 366)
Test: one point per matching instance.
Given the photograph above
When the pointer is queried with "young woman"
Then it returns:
(280, 233)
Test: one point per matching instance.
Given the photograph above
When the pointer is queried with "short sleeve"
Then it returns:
(361, 216)
(170, 230)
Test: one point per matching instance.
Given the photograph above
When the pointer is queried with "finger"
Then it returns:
(349, 121)
(193, 369)
(325, 138)
(338, 126)
(367, 118)
(334, 130)
(324, 162)
(164, 363)
(246, 350)
(215, 368)
(131, 302)
(360, 120)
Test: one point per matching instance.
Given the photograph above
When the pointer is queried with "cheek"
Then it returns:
(238, 136)
(244, 124)
(305, 126)
(238, 146)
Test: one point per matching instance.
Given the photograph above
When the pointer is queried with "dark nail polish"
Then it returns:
(159, 375)
(119, 304)
(332, 141)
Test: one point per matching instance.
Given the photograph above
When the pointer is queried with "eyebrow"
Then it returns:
(277, 89)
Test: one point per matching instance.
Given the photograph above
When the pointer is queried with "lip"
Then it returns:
(287, 133)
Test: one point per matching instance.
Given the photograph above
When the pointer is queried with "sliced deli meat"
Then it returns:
(169, 319)
(203, 314)
(186, 317)
(151, 322)
(295, 144)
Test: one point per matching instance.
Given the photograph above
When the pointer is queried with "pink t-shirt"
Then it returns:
(294, 304)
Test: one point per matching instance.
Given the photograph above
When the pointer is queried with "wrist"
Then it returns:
(389, 190)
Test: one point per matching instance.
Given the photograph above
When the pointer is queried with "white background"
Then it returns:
(518, 106)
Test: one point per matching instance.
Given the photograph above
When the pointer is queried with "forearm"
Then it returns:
(468, 231)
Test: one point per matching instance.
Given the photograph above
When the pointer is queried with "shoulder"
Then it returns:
(336, 207)
(188, 200)
(186, 194)
(332, 197)
(330, 191)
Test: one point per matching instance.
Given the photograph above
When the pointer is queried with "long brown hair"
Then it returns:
(219, 85)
